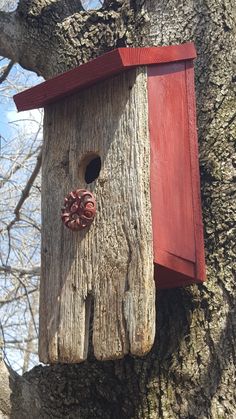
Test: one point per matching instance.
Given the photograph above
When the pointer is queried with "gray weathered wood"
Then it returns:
(110, 264)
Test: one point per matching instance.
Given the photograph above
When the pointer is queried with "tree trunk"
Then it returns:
(189, 372)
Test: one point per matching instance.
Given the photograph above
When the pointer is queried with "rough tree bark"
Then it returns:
(190, 371)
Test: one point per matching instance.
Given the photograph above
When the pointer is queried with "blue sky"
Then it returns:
(18, 80)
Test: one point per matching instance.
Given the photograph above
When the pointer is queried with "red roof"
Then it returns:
(100, 68)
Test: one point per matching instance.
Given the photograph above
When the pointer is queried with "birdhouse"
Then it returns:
(120, 199)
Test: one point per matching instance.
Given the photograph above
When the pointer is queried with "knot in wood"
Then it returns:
(79, 209)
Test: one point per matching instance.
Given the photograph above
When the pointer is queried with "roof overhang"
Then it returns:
(101, 68)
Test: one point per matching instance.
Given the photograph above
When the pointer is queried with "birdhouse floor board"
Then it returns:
(111, 263)
(168, 278)
(173, 262)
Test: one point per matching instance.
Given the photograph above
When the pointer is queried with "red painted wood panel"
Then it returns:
(193, 143)
(175, 189)
(171, 189)
(99, 69)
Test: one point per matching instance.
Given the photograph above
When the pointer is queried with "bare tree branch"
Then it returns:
(5, 71)
(66, 7)
(29, 349)
(22, 33)
(77, 35)
(14, 341)
(18, 297)
(10, 34)
(30, 306)
(35, 271)
(26, 190)
(19, 165)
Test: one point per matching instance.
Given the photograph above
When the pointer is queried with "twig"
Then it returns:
(30, 308)
(35, 271)
(2, 345)
(6, 71)
(26, 191)
(18, 166)
(13, 341)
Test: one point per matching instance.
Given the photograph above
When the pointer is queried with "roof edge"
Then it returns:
(98, 69)
(157, 55)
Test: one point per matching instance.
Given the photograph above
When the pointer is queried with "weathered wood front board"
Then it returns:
(110, 265)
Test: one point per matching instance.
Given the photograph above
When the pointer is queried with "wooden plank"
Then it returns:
(175, 263)
(175, 189)
(157, 55)
(111, 264)
(200, 272)
(99, 69)
(171, 188)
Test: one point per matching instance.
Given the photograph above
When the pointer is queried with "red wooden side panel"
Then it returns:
(171, 188)
(174, 175)
(193, 141)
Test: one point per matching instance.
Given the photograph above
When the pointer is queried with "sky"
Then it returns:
(18, 80)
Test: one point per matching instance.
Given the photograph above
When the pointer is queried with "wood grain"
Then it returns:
(99, 69)
(111, 264)
(200, 272)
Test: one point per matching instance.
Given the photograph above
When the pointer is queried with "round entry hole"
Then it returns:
(92, 169)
